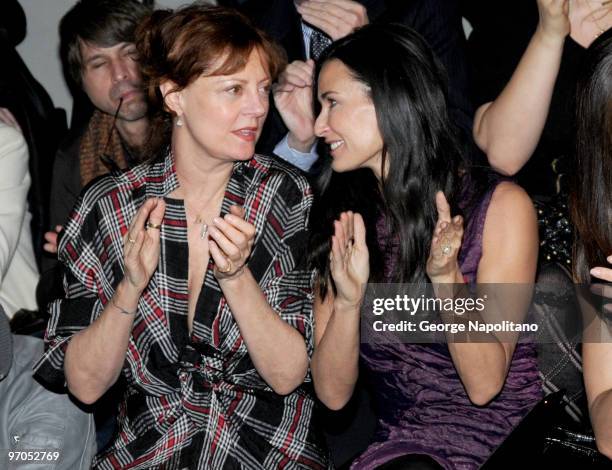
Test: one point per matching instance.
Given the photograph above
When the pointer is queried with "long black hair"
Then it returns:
(408, 88)
(591, 190)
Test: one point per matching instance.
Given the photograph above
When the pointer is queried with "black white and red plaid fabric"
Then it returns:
(194, 401)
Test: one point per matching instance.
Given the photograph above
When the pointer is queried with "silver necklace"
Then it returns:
(203, 228)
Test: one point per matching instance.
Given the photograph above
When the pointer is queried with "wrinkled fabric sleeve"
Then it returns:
(84, 285)
(304, 161)
(289, 291)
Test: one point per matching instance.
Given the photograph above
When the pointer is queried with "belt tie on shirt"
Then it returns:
(206, 361)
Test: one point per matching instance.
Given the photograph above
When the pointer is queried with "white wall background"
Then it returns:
(40, 49)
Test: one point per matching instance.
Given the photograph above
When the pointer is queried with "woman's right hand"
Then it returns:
(141, 244)
(349, 259)
(554, 18)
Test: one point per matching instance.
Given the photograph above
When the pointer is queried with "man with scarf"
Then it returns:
(100, 58)
(100, 62)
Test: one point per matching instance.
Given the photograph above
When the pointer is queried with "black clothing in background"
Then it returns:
(438, 21)
(65, 190)
(42, 124)
(66, 182)
(500, 36)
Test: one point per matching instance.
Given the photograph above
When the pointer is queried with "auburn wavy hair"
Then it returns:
(192, 41)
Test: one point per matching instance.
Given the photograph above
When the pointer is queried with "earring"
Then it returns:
(179, 123)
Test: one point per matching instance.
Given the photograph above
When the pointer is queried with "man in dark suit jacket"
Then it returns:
(438, 21)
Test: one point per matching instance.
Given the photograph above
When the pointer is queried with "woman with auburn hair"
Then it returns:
(395, 160)
(186, 274)
(591, 210)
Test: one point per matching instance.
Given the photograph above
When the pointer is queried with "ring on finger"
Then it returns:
(226, 269)
(446, 249)
(152, 225)
(131, 240)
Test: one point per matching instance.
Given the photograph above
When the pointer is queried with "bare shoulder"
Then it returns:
(510, 205)
(510, 236)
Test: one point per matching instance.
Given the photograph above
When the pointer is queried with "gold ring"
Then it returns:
(131, 240)
(228, 269)
(152, 225)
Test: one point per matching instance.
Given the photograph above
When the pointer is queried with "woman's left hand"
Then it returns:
(230, 243)
(442, 265)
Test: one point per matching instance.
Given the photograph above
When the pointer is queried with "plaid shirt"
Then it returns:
(192, 401)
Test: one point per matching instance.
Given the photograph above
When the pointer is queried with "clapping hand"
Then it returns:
(293, 99)
(554, 18)
(349, 259)
(336, 18)
(141, 243)
(442, 265)
(230, 244)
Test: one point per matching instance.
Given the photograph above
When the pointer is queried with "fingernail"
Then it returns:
(596, 272)
(609, 259)
(217, 220)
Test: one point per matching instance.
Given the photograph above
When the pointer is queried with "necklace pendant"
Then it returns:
(203, 231)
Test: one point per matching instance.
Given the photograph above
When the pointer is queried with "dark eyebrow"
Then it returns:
(95, 57)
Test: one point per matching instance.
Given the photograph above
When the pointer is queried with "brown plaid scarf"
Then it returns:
(100, 132)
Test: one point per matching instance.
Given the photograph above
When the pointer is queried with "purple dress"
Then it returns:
(421, 404)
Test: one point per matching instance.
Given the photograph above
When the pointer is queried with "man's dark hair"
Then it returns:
(104, 23)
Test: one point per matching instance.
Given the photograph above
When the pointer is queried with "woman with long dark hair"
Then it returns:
(186, 275)
(382, 215)
(591, 210)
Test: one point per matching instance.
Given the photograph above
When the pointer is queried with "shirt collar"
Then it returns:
(161, 177)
